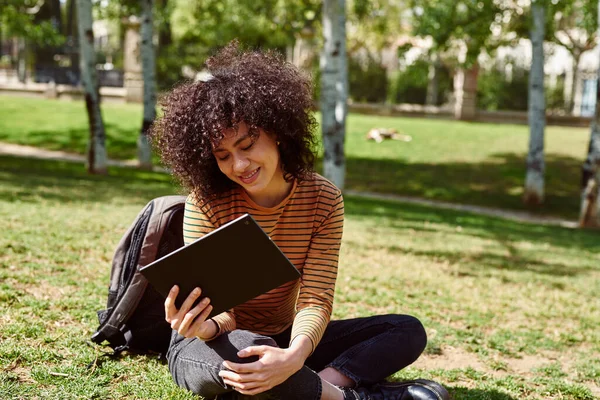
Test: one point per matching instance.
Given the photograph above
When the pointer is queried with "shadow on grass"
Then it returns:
(478, 394)
(425, 219)
(495, 182)
(471, 263)
(31, 180)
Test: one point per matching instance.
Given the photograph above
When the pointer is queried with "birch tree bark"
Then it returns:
(22, 60)
(575, 76)
(433, 82)
(96, 151)
(334, 90)
(534, 178)
(147, 53)
(589, 213)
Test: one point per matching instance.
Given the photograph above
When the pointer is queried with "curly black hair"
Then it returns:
(257, 87)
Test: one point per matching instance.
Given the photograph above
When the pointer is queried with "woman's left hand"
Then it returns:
(273, 367)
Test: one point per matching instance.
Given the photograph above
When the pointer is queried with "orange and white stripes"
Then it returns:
(307, 226)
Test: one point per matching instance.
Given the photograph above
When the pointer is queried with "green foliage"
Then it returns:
(568, 15)
(18, 18)
(432, 19)
(200, 28)
(410, 85)
(374, 23)
(555, 96)
(168, 67)
(266, 24)
(566, 20)
(521, 21)
(316, 80)
(368, 80)
(469, 21)
(495, 92)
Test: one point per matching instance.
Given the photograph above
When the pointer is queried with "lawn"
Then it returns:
(468, 163)
(511, 309)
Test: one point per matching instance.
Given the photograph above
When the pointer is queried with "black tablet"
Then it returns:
(232, 264)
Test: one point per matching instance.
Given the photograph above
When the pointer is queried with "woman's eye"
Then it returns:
(223, 158)
(249, 146)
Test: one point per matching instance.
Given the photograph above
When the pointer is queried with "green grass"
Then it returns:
(511, 309)
(468, 163)
(63, 125)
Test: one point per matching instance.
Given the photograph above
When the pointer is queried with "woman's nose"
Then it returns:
(240, 164)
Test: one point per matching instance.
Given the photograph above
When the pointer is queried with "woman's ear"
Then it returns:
(273, 136)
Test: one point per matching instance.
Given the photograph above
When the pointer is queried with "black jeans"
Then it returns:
(366, 350)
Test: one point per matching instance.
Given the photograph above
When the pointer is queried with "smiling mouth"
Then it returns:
(250, 175)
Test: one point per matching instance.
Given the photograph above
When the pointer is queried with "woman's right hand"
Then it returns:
(188, 321)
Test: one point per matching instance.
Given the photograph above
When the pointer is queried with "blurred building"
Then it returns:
(559, 68)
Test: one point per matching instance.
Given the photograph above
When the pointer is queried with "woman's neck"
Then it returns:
(274, 197)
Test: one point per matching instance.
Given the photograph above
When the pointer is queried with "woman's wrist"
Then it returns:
(300, 349)
(215, 333)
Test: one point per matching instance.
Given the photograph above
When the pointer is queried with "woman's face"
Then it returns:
(250, 157)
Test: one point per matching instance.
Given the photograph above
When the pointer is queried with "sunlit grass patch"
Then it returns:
(461, 162)
(510, 309)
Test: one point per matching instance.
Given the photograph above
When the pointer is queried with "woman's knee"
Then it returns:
(198, 377)
(241, 339)
(413, 331)
(195, 365)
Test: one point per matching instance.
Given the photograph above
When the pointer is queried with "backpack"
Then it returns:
(134, 318)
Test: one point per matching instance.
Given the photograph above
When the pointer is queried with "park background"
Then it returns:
(436, 227)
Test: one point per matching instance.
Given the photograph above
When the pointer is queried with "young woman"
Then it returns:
(241, 141)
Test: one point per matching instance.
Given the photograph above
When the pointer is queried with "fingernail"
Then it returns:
(205, 300)
(174, 288)
(197, 291)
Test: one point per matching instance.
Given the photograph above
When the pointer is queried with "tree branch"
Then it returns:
(35, 9)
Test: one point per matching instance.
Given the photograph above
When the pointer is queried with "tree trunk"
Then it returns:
(149, 77)
(589, 211)
(465, 92)
(72, 35)
(57, 18)
(303, 53)
(575, 76)
(334, 90)
(534, 179)
(165, 36)
(433, 82)
(96, 152)
(22, 59)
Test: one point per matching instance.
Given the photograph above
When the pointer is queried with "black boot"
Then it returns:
(419, 389)
(358, 394)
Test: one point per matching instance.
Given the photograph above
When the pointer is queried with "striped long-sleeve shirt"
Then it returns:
(307, 226)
